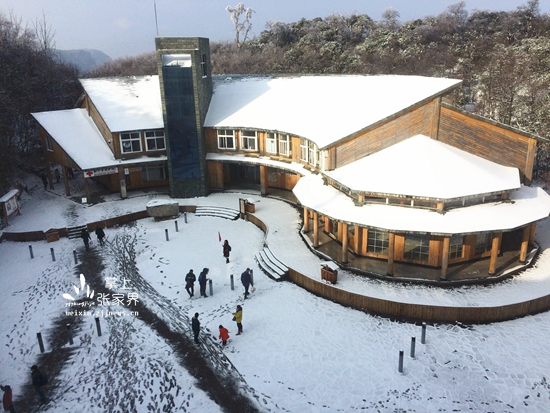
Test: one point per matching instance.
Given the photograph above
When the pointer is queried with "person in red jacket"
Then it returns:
(7, 399)
(224, 335)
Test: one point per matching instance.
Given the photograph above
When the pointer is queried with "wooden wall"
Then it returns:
(488, 140)
(419, 312)
(381, 136)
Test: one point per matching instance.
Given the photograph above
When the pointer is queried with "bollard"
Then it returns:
(98, 326)
(53, 254)
(400, 368)
(413, 345)
(70, 334)
(423, 336)
(176, 222)
(74, 255)
(232, 282)
(40, 342)
(166, 232)
(185, 216)
(30, 250)
(210, 287)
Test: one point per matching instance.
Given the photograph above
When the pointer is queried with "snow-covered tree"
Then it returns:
(241, 28)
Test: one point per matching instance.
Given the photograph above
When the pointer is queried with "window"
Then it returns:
(154, 173)
(483, 243)
(154, 140)
(49, 143)
(130, 142)
(304, 152)
(378, 242)
(313, 153)
(204, 69)
(417, 247)
(248, 140)
(455, 247)
(226, 139)
(271, 143)
(284, 145)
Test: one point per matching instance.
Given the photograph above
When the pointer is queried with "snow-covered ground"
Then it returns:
(298, 352)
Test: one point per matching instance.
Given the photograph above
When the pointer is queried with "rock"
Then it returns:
(163, 209)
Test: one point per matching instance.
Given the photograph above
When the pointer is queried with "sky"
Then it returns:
(124, 28)
(298, 352)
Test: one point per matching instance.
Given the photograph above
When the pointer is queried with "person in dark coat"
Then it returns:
(100, 234)
(7, 400)
(45, 181)
(246, 279)
(38, 380)
(202, 281)
(196, 326)
(238, 317)
(190, 283)
(226, 250)
(86, 238)
(57, 175)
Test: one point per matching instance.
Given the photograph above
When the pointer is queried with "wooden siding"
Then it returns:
(419, 312)
(487, 140)
(417, 121)
(100, 124)
(215, 175)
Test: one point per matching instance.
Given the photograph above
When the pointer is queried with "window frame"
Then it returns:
(134, 136)
(155, 138)
(283, 140)
(271, 143)
(378, 242)
(49, 143)
(224, 136)
(247, 139)
(421, 247)
(145, 172)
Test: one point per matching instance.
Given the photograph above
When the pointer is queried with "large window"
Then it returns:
(455, 248)
(271, 143)
(130, 142)
(483, 243)
(378, 242)
(49, 143)
(249, 140)
(284, 145)
(417, 247)
(313, 153)
(304, 150)
(226, 139)
(154, 140)
(154, 173)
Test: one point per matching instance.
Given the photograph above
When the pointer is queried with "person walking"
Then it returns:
(224, 335)
(202, 281)
(238, 317)
(100, 234)
(226, 250)
(86, 238)
(190, 283)
(57, 175)
(38, 380)
(246, 279)
(45, 181)
(196, 326)
(7, 400)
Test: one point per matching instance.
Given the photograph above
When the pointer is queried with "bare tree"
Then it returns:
(241, 28)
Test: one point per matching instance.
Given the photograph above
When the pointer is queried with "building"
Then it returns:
(382, 164)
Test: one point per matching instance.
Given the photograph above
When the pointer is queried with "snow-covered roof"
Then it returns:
(127, 103)
(426, 168)
(80, 138)
(262, 160)
(528, 205)
(323, 109)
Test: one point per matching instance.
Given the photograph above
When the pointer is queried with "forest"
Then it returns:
(503, 59)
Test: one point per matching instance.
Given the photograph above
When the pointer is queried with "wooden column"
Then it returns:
(345, 241)
(315, 229)
(264, 187)
(495, 245)
(445, 257)
(340, 231)
(358, 239)
(327, 224)
(524, 249)
(391, 249)
(306, 220)
(66, 180)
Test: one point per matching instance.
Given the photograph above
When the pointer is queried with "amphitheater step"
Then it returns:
(217, 211)
(269, 264)
(74, 232)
